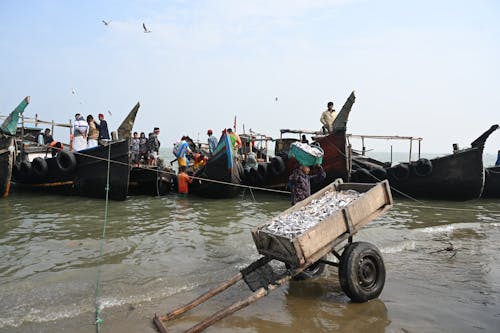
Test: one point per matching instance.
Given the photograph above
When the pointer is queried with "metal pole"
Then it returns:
(391, 154)
(363, 149)
(411, 144)
(419, 144)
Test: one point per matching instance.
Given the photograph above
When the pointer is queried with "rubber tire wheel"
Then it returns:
(422, 167)
(398, 172)
(66, 161)
(39, 166)
(361, 272)
(26, 168)
(277, 166)
(310, 272)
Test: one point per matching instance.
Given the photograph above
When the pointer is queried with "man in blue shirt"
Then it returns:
(103, 128)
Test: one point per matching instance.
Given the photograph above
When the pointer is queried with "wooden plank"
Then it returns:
(209, 294)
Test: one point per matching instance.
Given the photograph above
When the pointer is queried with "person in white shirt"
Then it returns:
(80, 129)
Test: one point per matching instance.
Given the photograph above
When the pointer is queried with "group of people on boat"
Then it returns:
(46, 139)
(89, 133)
(144, 150)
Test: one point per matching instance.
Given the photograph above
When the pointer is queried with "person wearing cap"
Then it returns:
(212, 141)
(103, 128)
(328, 117)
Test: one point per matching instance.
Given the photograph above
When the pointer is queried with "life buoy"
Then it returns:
(422, 167)
(39, 166)
(277, 166)
(66, 161)
(398, 172)
(25, 168)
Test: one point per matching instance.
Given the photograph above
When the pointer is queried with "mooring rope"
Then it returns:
(421, 203)
(99, 320)
(173, 173)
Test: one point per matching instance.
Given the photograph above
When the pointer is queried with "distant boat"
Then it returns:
(82, 173)
(456, 176)
(222, 173)
(7, 146)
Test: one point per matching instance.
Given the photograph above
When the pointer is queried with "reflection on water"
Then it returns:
(161, 252)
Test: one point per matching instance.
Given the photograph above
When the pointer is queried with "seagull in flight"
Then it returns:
(73, 91)
(146, 30)
(109, 112)
(106, 23)
(276, 99)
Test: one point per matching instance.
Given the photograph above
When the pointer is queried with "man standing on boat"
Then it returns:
(212, 142)
(180, 152)
(327, 118)
(103, 129)
(80, 128)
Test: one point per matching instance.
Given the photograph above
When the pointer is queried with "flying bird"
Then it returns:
(276, 99)
(73, 91)
(109, 112)
(146, 30)
(106, 23)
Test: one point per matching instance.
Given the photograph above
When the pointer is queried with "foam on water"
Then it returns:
(401, 247)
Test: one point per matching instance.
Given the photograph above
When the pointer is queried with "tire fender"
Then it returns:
(40, 167)
(422, 167)
(25, 168)
(399, 172)
(277, 166)
(66, 161)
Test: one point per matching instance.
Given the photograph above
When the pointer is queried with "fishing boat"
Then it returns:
(456, 176)
(221, 175)
(7, 146)
(492, 180)
(274, 173)
(82, 173)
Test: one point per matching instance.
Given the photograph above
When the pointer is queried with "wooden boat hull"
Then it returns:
(147, 181)
(492, 183)
(458, 176)
(89, 177)
(221, 171)
(6, 164)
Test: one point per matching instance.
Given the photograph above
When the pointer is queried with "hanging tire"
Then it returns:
(40, 167)
(422, 167)
(277, 166)
(16, 170)
(378, 174)
(361, 272)
(241, 171)
(25, 168)
(310, 272)
(66, 161)
(361, 175)
(164, 186)
(255, 177)
(398, 172)
(262, 171)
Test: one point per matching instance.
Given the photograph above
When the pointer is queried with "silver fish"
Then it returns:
(294, 224)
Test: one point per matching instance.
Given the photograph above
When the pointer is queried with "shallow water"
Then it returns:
(161, 252)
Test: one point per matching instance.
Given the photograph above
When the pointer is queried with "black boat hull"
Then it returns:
(221, 173)
(458, 176)
(6, 163)
(149, 181)
(89, 177)
(492, 182)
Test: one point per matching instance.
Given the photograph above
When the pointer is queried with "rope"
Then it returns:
(473, 210)
(173, 173)
(422, 204)
(99, 320)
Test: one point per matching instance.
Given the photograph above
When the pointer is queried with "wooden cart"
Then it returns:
(361, 267)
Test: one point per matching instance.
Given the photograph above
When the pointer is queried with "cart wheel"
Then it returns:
(361, 271)
(310, 272)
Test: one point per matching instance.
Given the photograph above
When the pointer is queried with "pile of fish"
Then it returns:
(295, 223)
(311, 150)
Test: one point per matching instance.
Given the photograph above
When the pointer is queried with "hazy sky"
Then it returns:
(421, 68)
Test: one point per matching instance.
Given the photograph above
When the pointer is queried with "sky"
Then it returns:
(419, 68)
